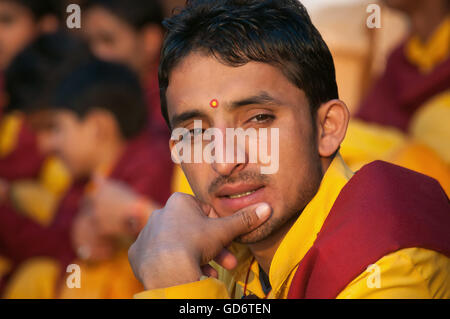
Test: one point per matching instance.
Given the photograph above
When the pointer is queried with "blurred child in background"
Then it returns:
(404, 118)
(100, 132)
(21, 21)
(33, 181)
(417, 70)
(129, 32)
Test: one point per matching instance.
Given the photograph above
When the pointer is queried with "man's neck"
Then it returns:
(265, 250)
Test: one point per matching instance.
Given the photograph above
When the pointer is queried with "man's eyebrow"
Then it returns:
(177, 119)
(263, 98)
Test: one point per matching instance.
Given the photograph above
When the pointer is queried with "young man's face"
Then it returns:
(255, 95)
(110, 38)
(75, 141)
(17, 30)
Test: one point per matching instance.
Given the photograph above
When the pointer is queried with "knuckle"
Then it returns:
(175, 197)
(179, 197)
(247, 220)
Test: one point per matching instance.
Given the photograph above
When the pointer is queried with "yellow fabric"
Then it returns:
(33, 200)
(430, 125)
(365, 143)
(426, 56)
(180, 183)
(10, 126)
(55, 176)
(5, 266)
(39, 199)
(394, 272)
(35, 279)
(412, 273)
(194, 290)
(111, 279)
(41, 278)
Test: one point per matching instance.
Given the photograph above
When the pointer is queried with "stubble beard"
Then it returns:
(293, 210)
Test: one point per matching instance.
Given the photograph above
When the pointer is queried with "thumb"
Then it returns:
(243, 221)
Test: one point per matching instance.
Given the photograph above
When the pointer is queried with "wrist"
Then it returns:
(171, 268)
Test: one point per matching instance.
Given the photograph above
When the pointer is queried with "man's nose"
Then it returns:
(234, 156)
(227, 169)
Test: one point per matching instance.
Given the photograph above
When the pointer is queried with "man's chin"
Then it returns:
(258, 235)
(271, 227)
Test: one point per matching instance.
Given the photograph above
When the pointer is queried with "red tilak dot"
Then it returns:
(214, 103)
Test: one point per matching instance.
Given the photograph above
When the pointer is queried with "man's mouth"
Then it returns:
(231, 198)
(241, 194)
(238, 190)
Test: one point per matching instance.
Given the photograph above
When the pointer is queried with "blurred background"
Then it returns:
(83, 145)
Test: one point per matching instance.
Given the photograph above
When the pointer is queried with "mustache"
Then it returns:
(245, 177)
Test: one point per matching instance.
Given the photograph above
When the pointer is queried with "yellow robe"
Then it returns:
(41, 278)
(407, 273)
(112, 279)
(426, 146)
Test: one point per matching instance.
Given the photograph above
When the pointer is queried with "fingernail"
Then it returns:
(262, 211)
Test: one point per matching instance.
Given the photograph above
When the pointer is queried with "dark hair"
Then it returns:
(31, 74)
(41, 8)
(277, 32)
(137, 13)
(108, 86)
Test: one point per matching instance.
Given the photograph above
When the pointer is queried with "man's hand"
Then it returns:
(186, 235)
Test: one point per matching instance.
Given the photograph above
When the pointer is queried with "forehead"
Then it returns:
(198, 79)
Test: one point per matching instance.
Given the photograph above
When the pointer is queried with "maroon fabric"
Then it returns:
(25, 160)
(22, 238)
(401, 90)
(382, 209)
(145, 166)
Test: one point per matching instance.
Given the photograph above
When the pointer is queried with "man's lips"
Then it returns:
(238, 190)
(232, 198)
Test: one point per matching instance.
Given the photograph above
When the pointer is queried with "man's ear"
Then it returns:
(332, 121)
(152, 37)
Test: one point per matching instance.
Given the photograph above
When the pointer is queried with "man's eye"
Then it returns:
(193, 133)
(262, 118)
(197, 131)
